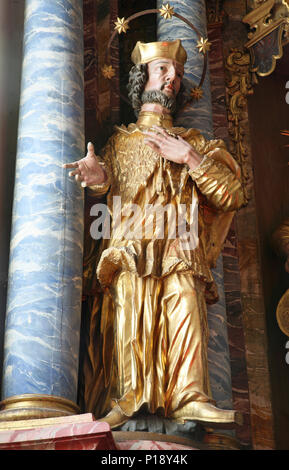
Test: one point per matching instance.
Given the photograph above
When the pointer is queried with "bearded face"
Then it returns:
(164, 75)
(160, 82)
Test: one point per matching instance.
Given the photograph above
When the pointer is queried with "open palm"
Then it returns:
(87, 170)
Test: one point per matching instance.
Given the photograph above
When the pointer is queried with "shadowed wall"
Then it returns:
(268, 115)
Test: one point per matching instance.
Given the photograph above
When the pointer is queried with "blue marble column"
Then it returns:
(199, 116)
(11, 36)
(42, 330)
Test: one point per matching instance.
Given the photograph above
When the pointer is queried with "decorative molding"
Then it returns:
(269, 23)
(259, 20)
(269, 29)
(239, 84)
(280, 241)
(34, 406)
(282, 313)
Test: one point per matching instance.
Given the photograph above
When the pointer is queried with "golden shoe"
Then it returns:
(115, 418)
(207, 413)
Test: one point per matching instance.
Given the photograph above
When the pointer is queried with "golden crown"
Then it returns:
(146, 52)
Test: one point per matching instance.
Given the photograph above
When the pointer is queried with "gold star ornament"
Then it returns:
(108, 71)
(203, 45)
(166, 11)
(121, 25)
(196, 93)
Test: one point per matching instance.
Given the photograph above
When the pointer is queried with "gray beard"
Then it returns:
(157, 96)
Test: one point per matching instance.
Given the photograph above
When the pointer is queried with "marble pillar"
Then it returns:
(199, 116)
(11, 35)
(41, 351)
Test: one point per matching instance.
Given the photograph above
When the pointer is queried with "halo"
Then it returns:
(167, 12)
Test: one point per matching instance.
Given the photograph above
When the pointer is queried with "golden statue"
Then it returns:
(148, 346)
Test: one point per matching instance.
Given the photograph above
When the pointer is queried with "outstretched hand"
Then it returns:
(87, 171)
(173, 148)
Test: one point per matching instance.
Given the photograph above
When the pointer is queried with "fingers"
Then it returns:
(90, 148)
(78, 178)
(161, 135)
(90, 151)
(153, 137)
(155, 143)
(152, 144)
(73, 173)
(76, 173)
(161, 130)
(80, 168)
(70, 165)
(166, 133)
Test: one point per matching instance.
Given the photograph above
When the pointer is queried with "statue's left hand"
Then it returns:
(173, 148)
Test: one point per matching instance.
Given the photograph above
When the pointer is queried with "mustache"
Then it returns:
(166, 84)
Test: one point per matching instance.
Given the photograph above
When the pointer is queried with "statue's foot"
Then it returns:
(205, 412)
(115, 418)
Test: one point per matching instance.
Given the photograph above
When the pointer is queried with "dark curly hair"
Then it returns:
(138, 77)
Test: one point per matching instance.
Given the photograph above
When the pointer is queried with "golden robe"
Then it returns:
(152, 349)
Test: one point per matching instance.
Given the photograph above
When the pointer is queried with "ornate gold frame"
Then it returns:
(266, 17)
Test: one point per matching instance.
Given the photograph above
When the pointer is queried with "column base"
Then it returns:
(36, 406)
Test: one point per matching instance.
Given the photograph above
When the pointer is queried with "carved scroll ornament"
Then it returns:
(239, 84)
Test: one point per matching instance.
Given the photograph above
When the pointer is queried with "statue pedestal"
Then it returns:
(83, 432)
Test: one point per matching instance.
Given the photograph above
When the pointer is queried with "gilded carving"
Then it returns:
(258, 19)
(268, 22)
(239, 84)
(242, 68)
(282, 313)
(280, 240)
